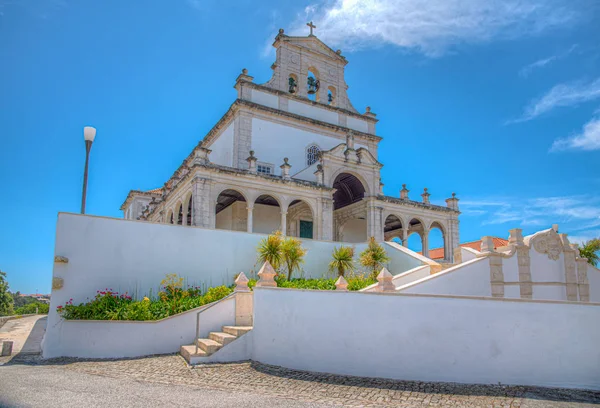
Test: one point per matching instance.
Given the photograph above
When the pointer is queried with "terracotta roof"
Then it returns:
(438, 253)
(156, 190)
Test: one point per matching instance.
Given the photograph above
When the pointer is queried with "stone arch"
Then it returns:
(356, 174)
(188, 209)
(268, 213)
(350, 190)
(170, 219)
(300, 219)
(293, 83)
(437, 251)
(417, 225)
(331, 95)
(313, 72)
(393, 227)
(230, 210)
(179, 213)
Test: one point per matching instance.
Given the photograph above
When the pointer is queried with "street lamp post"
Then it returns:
(89, 133)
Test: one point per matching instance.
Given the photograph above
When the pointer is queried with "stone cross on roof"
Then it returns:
(311, 25)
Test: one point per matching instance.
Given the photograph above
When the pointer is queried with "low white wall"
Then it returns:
(403, 259)
(404, 278)
(594, 280)
(115, 339)
(470, 278)
(429, 338)
(468, 254)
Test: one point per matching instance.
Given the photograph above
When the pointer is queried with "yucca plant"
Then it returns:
(590, 251)
(269, 249)
(373, 257)
(292, 254)
(343, 260)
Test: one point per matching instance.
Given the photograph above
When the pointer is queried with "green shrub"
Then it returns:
(358, 282)
(374, 257)
(30, 308)
(173, 299)
(343, 260)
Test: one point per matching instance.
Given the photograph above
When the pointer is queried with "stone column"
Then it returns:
(405, 236)
(284, 223)
(204, 211)
(250, 209)
(569, 256)
(496, 272)
(425, 242)
(582, 280)
(374, 221)
(326, 219)
(244, 302)
(524, 263)
(242, 139)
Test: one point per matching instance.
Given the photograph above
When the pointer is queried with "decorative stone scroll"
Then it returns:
(548, 243)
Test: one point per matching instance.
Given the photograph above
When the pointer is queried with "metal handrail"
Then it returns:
(203, 310)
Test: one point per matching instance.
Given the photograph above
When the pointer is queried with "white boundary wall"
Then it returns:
(429, 338)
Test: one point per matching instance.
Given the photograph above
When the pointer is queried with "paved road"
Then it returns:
(43, 386)
(25, 333)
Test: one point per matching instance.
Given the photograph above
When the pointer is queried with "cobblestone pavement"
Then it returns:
(329, 389)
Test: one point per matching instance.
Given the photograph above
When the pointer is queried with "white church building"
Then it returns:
(294, 155)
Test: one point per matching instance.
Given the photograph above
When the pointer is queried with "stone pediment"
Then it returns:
(366, 157)
(546, 242)
(312, 43)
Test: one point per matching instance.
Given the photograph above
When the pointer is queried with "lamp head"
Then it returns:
(89, 133)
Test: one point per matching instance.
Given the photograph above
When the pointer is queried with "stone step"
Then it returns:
(223, 338)
(237, 330)
(188, 352)
(208, 345)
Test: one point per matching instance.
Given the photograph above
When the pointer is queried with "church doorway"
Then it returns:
(300, 220)
(349, 209)
(231, 211)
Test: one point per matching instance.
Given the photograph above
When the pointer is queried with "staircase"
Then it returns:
(215, 341)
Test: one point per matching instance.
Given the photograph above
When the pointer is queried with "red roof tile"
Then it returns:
(438, 253)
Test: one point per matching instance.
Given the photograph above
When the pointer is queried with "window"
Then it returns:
(264, 168)
(312, 154)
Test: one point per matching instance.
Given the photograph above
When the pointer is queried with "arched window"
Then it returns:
(312, 154)
(313, 84)
(331, 97)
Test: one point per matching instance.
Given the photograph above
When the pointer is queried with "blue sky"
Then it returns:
(498, 101)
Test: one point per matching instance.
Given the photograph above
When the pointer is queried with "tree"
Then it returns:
(590, 251)
(269, 249)
(292, 254)
(6, 300)
(373, 257)
(343, 260)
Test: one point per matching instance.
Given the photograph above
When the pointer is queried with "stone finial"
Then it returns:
(555, 227)
(404, 192)
(201, 156)
(425, 196)
(241, 283)
(338, 52)
(385, 281)
(452, 202)
(244, 76)
(369, 113)
(350, 140)
(267, 276)
(285, 169)
(341, 284)
(320, 174)
(251, 162)
(515, 237)
(487, 244)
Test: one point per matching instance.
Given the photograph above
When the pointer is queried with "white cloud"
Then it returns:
(588, 139)
(575, 214)
(432, 27)
(528, 69)
(561, 95)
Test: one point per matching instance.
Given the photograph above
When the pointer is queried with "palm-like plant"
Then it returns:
(373, 257)
(292, 254)
(590, 251)
(343, 260)
(269, 249)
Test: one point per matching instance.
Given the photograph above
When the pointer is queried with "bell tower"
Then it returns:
(308, 68)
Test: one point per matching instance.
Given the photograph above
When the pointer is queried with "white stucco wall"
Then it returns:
(263, 98)
(594, 280)
(471, 278)
(115, 339)
(222, 148)
(428, 338)
(313, 112)
(266, 219)
(357, 124)
(272, 142)
(468, 254)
